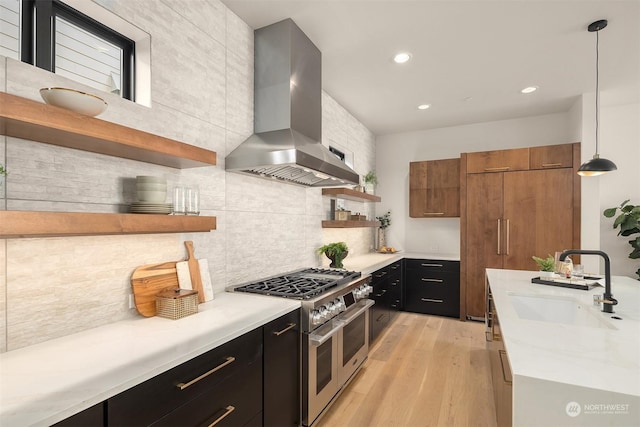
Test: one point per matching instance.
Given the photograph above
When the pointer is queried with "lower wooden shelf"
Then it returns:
(19, 224)
(349, 224)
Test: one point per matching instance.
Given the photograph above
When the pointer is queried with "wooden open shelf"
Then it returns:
(17, 224)
(349, 224)
(349, 194)
(36, 121)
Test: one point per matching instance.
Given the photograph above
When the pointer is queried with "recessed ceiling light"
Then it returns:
(529, 89)
(424, 106)
(402, 57)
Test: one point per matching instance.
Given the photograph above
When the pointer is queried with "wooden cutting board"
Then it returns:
(194, 270)
(149, 280)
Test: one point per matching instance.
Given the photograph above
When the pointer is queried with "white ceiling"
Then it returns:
(485, 50)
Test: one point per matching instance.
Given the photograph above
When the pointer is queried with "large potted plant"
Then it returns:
(629, 223)
(336, 252)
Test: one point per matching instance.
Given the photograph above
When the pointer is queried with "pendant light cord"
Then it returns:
(597, 92)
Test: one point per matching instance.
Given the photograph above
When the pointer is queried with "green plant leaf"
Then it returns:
(609, 213)
(619, 220)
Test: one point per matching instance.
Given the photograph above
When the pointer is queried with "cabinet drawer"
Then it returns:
(380, 274)
(91, 417)
(155, 398)
(395, 268)
(551, 156)
(233, 402)
(498, 161)
(432, 265)
(434, 299)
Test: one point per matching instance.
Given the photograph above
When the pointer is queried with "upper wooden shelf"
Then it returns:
(36, 121)
(349, 224)
(17, 224)
(349, 194)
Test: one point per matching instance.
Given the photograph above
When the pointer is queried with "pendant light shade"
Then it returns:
(597, 166)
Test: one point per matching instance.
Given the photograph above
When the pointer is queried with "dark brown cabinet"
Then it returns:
(387, 294)
(282, 371)
(432, 287)
(91, 417)
(434, 188)
(507, 217)
(551, 156)
(223, 384)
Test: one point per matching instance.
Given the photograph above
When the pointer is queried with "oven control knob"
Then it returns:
(332, 308)
(339, 305)
(357, 293)
(324, 313)
(315, 317)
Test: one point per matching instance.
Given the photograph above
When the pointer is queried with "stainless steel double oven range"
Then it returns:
(335, 329)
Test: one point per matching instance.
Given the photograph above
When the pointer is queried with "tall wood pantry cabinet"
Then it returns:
(515, 204)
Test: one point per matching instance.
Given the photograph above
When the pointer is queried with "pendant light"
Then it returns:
(597, 166)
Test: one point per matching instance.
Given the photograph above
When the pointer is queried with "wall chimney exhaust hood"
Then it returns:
(286, 144)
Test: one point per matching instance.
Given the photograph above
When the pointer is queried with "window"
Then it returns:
(60, 39)
(10, 28)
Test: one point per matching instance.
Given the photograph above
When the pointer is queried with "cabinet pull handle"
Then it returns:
(229, 409)
(377, 276)
(504, 375)
(380, 317)
(395, 266)
(551, 165)
(431, 300)
(502, 168)
(431, 265)
(381, 293)
(288, 328)
(433, 213)
(507, 237)
(499, 227)
(229, 360)
(424, 279)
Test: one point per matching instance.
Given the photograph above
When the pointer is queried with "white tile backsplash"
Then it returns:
(202, 94)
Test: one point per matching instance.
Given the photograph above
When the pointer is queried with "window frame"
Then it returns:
(38, 38)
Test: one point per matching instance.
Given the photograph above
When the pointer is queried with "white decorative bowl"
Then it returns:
(74, 100)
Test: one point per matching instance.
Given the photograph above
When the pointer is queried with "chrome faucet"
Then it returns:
(607, 299)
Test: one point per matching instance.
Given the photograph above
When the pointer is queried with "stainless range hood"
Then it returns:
(288, 114)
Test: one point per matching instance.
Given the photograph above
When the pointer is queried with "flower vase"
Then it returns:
(369, 188)
(382, 240)
(336, 261)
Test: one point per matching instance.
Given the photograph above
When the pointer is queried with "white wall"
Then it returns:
(394, 152)
(620, 143)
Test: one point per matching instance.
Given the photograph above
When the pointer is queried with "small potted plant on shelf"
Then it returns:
(370, 182)
(385, 221)
(336, 252)
(547, 265)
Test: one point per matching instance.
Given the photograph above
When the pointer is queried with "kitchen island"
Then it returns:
(48, 382)
(571, 364)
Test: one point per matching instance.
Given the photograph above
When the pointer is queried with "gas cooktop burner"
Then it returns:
(300, 284)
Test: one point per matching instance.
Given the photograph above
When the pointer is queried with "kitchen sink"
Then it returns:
(558, 309)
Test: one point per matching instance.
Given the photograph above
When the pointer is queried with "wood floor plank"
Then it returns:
(422, 371)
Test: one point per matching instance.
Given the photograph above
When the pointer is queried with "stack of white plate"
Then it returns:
(151, 208)
(152, 193)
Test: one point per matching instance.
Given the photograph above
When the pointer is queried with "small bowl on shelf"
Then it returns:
(74, 100)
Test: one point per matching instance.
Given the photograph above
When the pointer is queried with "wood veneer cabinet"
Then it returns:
(551, 156)
(497, 161)
(509, 216)
(434, 188)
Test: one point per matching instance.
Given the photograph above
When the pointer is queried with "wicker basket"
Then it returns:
(176, 303)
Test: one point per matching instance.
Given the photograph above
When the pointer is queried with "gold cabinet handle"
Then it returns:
(502, 168)
(431, 265)
(288, 328)
(551, 165)
(431, 300)
(424, 279)
(507, 237)
(499, 227)
(229, 409)
(503, 354)
(229, 360)
(433, 213)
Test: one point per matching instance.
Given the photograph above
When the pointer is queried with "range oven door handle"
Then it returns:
(317, 340)
(346, 320)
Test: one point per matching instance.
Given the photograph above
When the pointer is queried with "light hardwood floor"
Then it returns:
(422, 371)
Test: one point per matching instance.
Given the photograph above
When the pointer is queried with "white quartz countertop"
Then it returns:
(592, 357)
(371, 262)
(50, 381)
